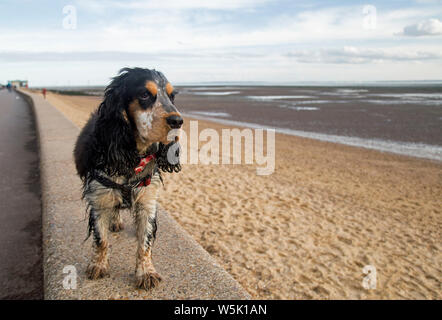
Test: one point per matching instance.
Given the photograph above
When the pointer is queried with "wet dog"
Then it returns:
(119, 155)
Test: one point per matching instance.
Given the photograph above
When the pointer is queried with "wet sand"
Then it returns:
(401, 114)
(308, 230)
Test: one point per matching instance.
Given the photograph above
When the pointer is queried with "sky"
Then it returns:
(84, 42)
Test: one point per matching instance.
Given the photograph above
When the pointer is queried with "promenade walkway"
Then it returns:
(188, 271)
(21, 275)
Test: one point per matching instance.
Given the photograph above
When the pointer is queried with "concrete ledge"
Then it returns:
(188, 271)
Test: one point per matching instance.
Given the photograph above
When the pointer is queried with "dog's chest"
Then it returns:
(129, 190)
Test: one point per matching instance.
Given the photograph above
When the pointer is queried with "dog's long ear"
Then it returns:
(114, 96)
(114, 131)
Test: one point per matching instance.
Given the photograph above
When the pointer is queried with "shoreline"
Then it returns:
(415, 150)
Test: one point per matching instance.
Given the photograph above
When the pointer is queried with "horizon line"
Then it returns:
(268, 83)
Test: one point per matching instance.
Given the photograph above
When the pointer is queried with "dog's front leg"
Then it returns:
(103, 207)
(99, 225)
(146, 220)
(116, 223)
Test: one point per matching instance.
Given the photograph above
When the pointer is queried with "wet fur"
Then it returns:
(109, 143)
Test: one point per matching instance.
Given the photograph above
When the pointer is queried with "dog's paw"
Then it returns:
(148, 280)
(95, 271)
(116, 226)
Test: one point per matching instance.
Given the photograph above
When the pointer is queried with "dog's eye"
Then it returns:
(146, 95)
(172, 95)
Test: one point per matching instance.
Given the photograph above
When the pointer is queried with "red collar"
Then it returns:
(143, 163)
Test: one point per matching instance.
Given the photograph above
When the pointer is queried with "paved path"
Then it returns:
(21, 275)
(189, 272)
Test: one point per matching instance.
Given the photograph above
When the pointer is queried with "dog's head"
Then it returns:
(145, 100)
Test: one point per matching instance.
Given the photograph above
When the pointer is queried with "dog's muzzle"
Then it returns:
(174, 121)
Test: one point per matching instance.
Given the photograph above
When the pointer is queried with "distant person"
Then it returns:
(44, 92)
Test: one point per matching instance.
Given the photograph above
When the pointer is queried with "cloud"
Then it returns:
(97, 56)
(160, 30)
(428, 1)
(429, 27)
(126, 56)
(345, 55)
(195, 40)
(171, 4)
(352, 55)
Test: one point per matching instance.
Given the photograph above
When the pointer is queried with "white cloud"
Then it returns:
(428, 1)
(153, 31)
(353, 55)
(171, 4)
(197, 45)
(344, 55)
(429, 27)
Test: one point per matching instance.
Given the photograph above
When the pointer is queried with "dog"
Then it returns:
(119, 154)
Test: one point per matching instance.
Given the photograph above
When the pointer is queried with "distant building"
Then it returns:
(18, 83)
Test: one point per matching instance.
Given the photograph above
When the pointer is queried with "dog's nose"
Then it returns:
(175, 122)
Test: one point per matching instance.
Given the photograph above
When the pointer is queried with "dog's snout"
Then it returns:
(175, 122)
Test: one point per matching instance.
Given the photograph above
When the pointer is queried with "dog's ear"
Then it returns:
(114, 130)
(117, 98)
(114, 95)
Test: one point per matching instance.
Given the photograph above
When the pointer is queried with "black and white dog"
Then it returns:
(119, 154)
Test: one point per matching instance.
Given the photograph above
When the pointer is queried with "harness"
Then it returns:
(126, 188)
(161, 162)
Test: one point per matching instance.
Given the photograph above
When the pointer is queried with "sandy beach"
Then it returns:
(308, 230)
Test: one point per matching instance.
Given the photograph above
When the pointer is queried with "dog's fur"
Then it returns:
(132, 121)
